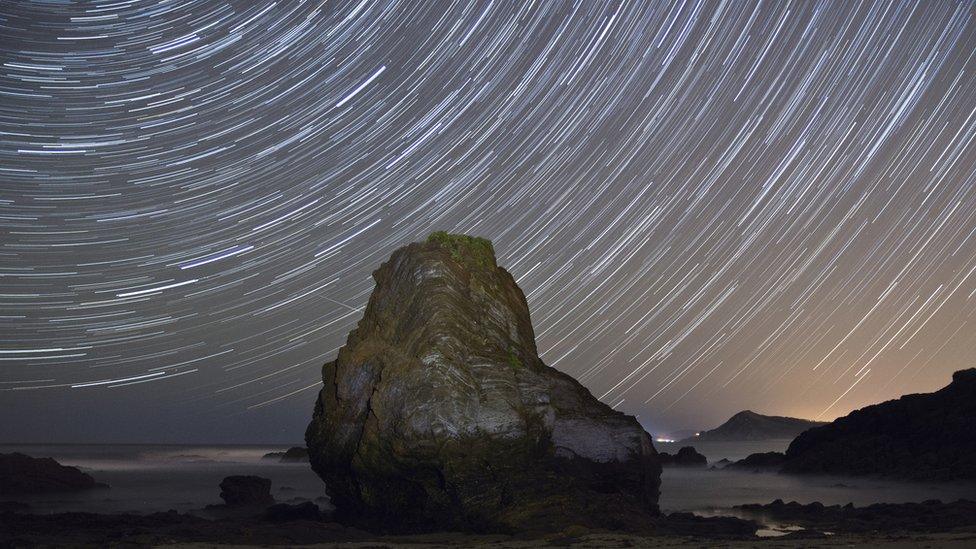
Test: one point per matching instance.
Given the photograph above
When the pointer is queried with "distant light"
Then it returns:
(663, 440)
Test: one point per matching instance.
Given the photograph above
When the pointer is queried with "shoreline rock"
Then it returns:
(21, 474)
(246, 490)
(927, 516)
(759, 462)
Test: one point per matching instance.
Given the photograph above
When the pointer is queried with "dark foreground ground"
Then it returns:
(614, 541)
(929, 524)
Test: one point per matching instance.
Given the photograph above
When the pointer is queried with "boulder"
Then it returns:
(21, 474)
(439, 414)
(246, 490)
(686, 457)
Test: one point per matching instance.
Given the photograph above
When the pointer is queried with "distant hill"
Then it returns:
(749, 425)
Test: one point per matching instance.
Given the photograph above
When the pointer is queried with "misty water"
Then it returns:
(149, 478)
(708, 490)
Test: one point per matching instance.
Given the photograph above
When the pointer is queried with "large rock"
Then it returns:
(21, 474)
(438, 412)
(918, 437)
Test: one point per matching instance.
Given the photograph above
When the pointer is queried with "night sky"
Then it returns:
(710, 206)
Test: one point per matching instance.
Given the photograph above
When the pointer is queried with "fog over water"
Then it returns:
(150, 478)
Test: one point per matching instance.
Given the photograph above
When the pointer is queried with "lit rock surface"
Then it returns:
(438, 412)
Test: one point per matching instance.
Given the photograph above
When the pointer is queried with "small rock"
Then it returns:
(763, 461)
(284, 512)
(241, 490)
(296, 454)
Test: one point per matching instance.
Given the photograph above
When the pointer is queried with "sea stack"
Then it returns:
(439, 414)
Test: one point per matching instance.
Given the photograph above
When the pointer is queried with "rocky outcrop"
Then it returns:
(749, 425)
(21, 474)
(686, 457)
(439, 414)
(918, 437)
(246, 490)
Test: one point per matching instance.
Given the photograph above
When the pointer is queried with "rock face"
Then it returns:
(439, 414)
(686, 457)
(920, 437)
(246, 490)
(21, 474)
(749, 425)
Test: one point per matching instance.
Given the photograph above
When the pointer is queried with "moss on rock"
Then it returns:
(462, 247)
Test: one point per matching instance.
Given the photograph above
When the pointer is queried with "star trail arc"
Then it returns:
(711, 206)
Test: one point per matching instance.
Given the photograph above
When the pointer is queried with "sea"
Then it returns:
(148, 478)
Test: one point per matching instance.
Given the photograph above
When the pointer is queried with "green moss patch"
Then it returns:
(469, 249)
(513, 361)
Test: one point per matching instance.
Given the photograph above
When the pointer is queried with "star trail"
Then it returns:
(711, 206)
